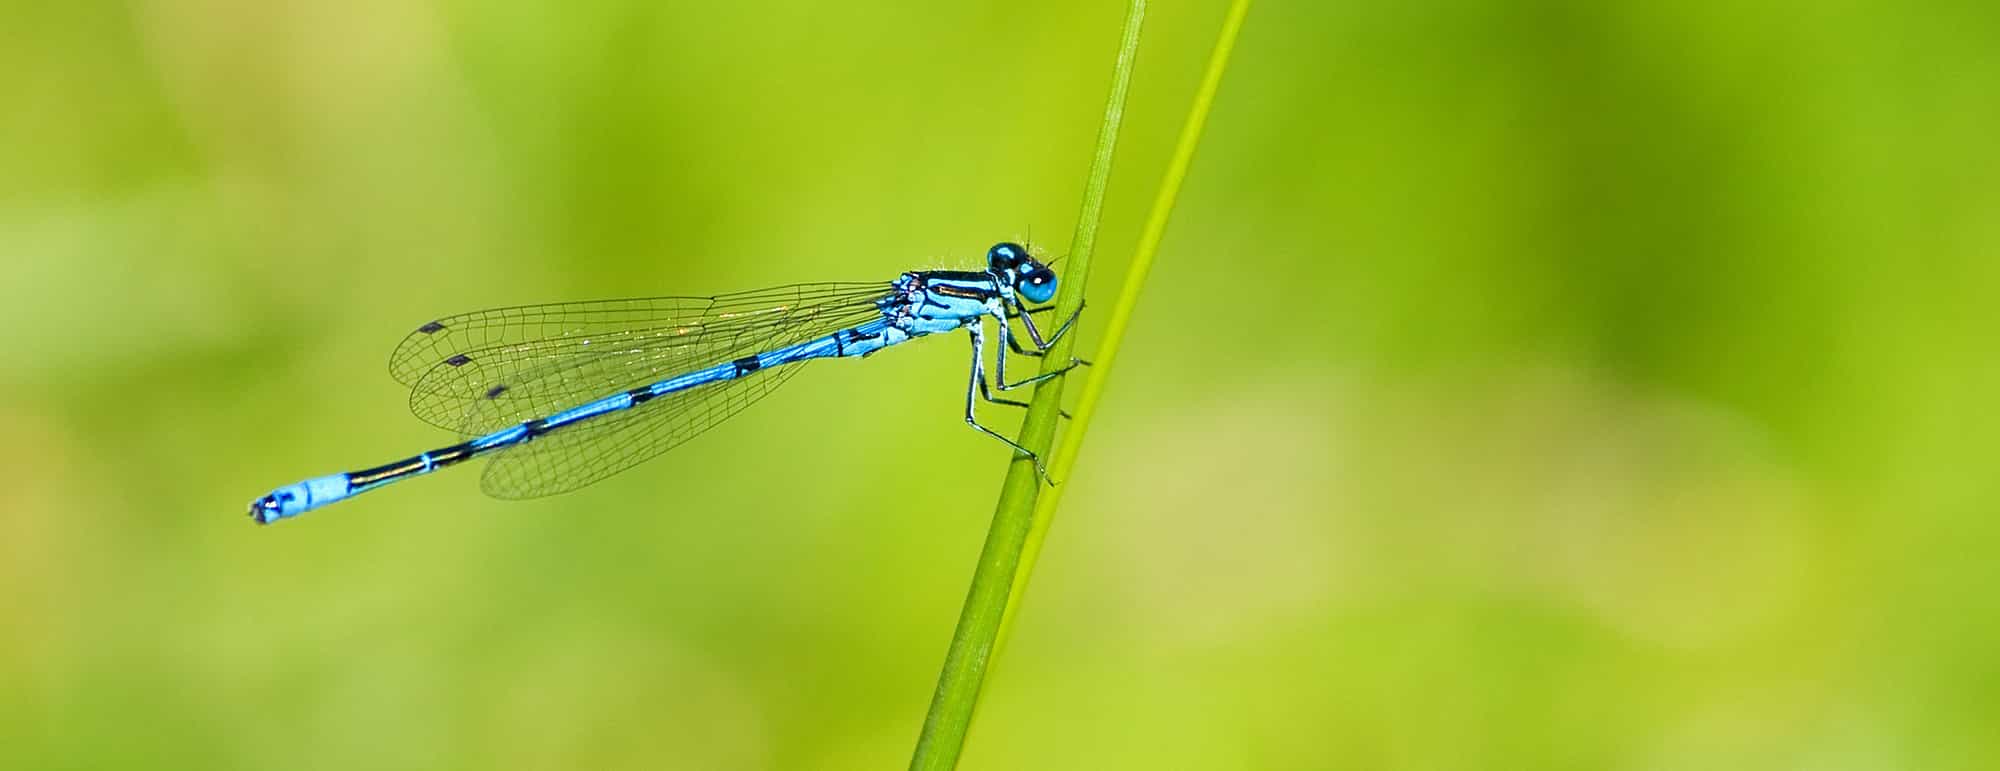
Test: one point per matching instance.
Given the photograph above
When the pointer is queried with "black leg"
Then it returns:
(1007, 335)
(1014, 344)
(979, 382)
(985, 393)
(1036, 334)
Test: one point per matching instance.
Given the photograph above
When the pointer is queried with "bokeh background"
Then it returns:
(1522, 385)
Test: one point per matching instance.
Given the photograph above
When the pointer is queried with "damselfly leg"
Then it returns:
(1026, 315)
(1034, 334)
(986, 393)
(978, 384)
(1042, 346)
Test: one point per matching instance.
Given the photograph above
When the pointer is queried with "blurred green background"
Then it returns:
(1522, 385)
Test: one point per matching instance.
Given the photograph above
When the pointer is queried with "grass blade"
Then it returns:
(965, 663)
(1121, 313)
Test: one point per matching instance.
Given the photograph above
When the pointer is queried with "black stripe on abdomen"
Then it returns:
(430, 461)
(450, 455)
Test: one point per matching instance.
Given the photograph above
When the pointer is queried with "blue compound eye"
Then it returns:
(1038, 285)
(1006, 255)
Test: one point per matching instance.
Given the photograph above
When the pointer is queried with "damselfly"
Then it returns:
(566, 394)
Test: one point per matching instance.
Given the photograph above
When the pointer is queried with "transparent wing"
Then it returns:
(481, 371)
(574, 456)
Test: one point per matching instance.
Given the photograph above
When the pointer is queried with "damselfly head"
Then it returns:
(1029, 277)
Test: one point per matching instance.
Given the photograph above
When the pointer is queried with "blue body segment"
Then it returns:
(295, 499)
(517, 381)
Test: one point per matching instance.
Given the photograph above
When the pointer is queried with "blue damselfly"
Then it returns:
(566, 394)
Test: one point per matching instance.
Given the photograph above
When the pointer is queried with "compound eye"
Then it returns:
(1037, 285)
(1006, 255)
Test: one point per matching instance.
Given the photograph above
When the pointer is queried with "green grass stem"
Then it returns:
(1121, 313)
(965, 663)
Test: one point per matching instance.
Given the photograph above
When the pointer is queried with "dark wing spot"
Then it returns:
(459, 361)
(496, 391)
(431, 328)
